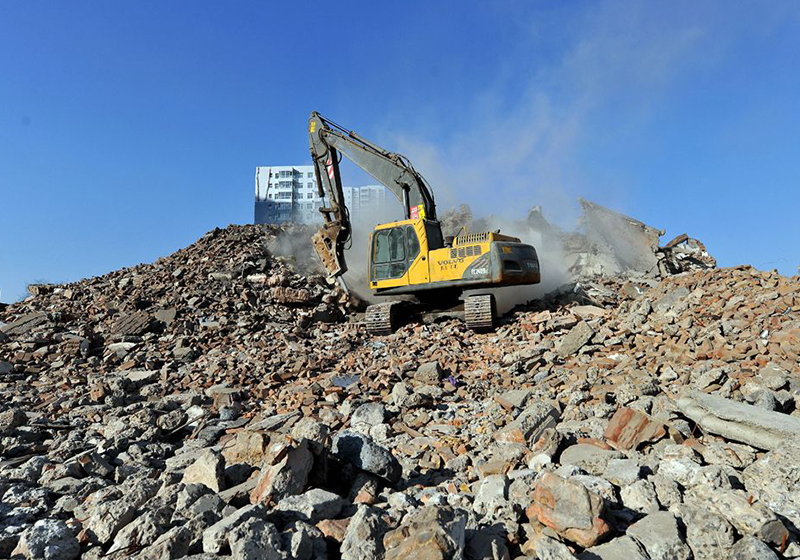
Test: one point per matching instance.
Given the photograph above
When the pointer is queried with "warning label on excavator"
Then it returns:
(418, 212)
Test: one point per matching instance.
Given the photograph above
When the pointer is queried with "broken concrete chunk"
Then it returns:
(216, 536)
(48, 539)
(589, 458)
(428, 373)
(433, 532)
(575, 339)
(748, 424)
(660, 536)
(529, 425)
(247, 446)
(287, 476)
(311, 506)
(569, 509)
(630, 428)
(255, 539)
(708, 534)
(774, 480)
(208, 469)
(362, 452)
(363, 538)
(621, 548)
(748, 517)
(750, 548)
(25, 323)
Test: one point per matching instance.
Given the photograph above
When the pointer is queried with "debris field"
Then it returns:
(225, 402)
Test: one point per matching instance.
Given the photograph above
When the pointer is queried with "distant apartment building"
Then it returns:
(289, 194)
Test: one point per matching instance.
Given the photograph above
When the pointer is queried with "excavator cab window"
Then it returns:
(389, 254)
(413, 243)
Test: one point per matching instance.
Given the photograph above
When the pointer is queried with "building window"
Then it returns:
(309, 175)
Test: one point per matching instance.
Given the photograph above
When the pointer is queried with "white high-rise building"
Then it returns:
(289, 194)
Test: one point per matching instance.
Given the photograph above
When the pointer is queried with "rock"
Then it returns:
(216, 536)
(660, 536)
(25, 323)
(640, 496)
(773, 376)
(48, 539)
(622, 472)
(709, 535)
(247, 446)
(140, 377)
(428, 373)
(12, 419)
(363, 539)
(360, 451)
(667, 490)
(134, 324)
(366, 416)
(589, 458)
(621, 548)
(735, 506)
(142, 531)
(569, 509)
(550, 549)
(171, 545)
(514, 399)
(730, 454)
(287, 476)
(314, 432)
(774, 478)
(255, 539)
(208, 469)
(108, 517)
(575, 339)
(430, 533)
(5, 367)
(303, 541)
(529, 425)
(630, 428)
(750, 548)
(486, 544)
(763, 429)
(492, 493)
(166, 315)
(311, 506)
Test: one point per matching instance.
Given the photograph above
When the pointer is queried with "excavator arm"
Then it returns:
(327, 140)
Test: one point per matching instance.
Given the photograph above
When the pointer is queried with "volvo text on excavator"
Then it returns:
(410, 256)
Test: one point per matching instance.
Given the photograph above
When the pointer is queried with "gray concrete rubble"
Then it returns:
(738, 421)
(226, 402)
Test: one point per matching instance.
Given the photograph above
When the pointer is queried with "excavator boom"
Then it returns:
(326, 141)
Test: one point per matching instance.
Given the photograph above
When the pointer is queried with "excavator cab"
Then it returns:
(396, 256)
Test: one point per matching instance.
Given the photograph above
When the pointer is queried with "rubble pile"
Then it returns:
(222, 403)
(606, 242)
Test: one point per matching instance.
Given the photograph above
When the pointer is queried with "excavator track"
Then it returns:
(383, 318)
(479, 312)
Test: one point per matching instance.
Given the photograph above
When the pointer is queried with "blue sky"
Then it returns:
(127, 130)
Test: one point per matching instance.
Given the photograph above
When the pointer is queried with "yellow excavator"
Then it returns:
(410, 257)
